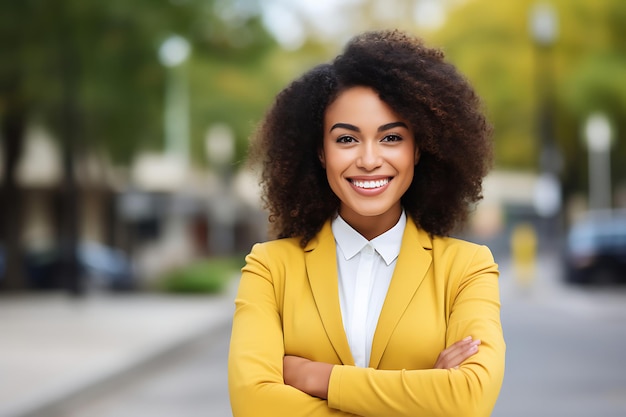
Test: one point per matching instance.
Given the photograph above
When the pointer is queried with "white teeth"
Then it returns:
(371, 184)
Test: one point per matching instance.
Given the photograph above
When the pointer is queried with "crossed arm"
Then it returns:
(313, 377)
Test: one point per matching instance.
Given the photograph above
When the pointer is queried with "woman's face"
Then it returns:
(369, 154)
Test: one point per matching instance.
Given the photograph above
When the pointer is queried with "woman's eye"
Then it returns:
(392, 138)
(345, 139)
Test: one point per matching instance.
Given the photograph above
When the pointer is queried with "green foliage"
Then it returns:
(597, 84)
(490, 42)
(102, 57)
(202, 277)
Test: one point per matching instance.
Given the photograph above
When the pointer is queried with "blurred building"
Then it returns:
(509, 200)
(156, 214)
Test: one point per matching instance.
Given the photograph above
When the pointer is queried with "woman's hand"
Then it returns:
(308, 376)
(457, 353)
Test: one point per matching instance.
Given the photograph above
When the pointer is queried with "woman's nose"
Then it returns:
(369, 157)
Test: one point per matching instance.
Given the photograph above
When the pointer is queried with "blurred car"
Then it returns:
(99, 266)
(596, 249)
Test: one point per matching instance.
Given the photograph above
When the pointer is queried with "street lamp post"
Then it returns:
(220, 149)
(173, 52)
(544, 29)
(598, 137)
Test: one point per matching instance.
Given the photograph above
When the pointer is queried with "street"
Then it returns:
(565, 357)
(192, 382)
(565, 349)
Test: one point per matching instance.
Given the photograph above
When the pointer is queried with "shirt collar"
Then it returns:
(351, 242)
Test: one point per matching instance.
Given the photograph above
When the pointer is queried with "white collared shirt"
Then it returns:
(365, 269)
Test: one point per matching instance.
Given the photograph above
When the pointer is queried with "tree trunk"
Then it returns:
(13, 125)
(70, 125)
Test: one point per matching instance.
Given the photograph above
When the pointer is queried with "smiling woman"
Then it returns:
(363, 305)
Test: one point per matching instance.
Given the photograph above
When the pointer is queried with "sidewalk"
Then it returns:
(53, 348)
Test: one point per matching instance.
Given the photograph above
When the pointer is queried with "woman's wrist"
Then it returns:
(318, 379)
(306, 375)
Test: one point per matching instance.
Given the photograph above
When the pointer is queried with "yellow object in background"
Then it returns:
(524, 253)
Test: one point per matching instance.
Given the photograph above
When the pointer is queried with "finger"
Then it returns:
(458, 356)
(457, 353)
(454, 348)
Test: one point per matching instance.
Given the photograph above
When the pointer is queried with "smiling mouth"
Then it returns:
(370, 184)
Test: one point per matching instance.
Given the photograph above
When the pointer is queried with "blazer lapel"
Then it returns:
(321, 266)
(411, 268)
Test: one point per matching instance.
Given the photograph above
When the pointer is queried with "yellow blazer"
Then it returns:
(442, 290)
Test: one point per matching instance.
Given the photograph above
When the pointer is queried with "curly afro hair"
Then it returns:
(445, 113)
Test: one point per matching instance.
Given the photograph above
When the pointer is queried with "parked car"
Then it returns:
(99, 265)
(596, 249)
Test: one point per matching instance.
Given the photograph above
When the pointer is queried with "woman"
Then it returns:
(363, 305)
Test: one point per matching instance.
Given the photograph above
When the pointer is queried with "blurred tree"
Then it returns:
(89, 72)
(594, 65)
(490, 41)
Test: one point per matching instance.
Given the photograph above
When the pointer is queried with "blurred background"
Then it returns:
(125, 198)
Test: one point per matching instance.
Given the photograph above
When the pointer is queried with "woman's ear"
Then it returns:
(320, 155)
(417, 156)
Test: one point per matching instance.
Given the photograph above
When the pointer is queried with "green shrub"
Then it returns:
(205, 276)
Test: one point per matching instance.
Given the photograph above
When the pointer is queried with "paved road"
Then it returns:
(565, 357)
(565, 350)
(192, 382)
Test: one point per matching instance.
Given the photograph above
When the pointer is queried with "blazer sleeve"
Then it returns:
(470, 391)
(255, 363)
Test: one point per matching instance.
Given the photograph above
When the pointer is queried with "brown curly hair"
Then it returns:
(445, 113)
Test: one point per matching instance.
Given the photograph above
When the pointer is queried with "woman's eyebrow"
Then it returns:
(380, 129)
(392, 125)
(345, 126)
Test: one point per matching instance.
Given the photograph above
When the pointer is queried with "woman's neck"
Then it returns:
(370, 227)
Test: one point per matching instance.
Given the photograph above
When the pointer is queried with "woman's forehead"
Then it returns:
(360, 105)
